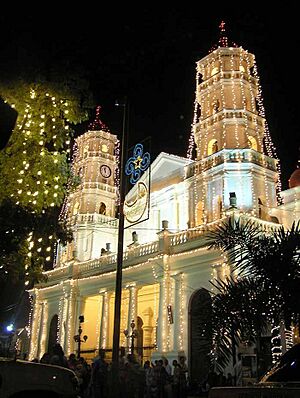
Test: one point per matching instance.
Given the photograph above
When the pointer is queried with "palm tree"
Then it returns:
(240, 313)
(266, 287)
(272, 257)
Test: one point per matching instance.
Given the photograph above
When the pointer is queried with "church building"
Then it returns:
(167, 266)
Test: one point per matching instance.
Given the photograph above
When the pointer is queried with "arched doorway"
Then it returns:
(200, 336)
(53, 329)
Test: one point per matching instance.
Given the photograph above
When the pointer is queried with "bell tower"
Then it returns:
(91, 208)
(231, 136)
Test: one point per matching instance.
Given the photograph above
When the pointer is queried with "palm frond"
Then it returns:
(240, 312)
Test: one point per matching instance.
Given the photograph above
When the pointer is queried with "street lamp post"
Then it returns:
(132, 336)
(77, 337)
(118, 288)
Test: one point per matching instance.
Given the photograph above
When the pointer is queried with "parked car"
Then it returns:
(22, 379)
(282, 381)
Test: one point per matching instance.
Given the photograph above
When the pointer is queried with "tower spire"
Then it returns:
(223, 40)
(97, 124)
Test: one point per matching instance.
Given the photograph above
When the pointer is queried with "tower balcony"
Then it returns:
(239, 115)
(93, 218)
(234, 74)
(96, 154)
(98, 185)
(230, 156)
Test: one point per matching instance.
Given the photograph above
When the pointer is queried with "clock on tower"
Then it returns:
(105, 171)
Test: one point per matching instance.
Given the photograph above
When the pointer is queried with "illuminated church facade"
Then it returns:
(167, 266)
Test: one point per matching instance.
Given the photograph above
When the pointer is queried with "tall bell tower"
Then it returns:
(231, 136)
(91, 208)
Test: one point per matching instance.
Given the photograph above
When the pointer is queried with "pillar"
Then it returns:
(178, 313)
(44, 330)
(164, 329)
(63, 317)
(71, 314)
(148, 330)
(104, 324)
(35, 326)
(132, 310)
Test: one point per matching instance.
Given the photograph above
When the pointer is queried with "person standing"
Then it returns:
(168, 385)
(148, 379)
(183, 377)
(99, 376)
(58, 356)
(176, 379)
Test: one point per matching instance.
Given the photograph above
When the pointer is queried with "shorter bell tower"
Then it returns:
(91, 208)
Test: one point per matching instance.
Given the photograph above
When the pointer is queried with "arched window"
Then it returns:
(76, 209)
(216, 106)
(252, 143)
(214, 71)
(104, 148)
(212, 147)
(81, 172)
(102, 208)
(85, 150)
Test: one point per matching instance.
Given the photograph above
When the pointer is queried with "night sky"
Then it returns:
(149, 54)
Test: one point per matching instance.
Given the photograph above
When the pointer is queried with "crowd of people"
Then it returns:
(156, 379)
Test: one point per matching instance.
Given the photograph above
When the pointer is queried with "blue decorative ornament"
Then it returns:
(137, 164)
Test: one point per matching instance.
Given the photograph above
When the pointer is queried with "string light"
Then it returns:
(270, 147)
(36, 325)
(70, 317)
(95, 147)
(42, 345)
(181, 313)
(104, 323)
(221, 109)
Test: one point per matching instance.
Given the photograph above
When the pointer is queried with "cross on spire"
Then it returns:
(97, 124)
(223, 40)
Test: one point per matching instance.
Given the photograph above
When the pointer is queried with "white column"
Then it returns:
(164, 328)
(43, 334)
(104, 328)
(132, 309)
(161, 316)
(60, 318)
(98, 321)
(36, 324)
(178, 313)
(64, 315)
(79, 307)
(70, 322)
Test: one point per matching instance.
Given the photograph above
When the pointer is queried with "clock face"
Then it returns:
(105, 171)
